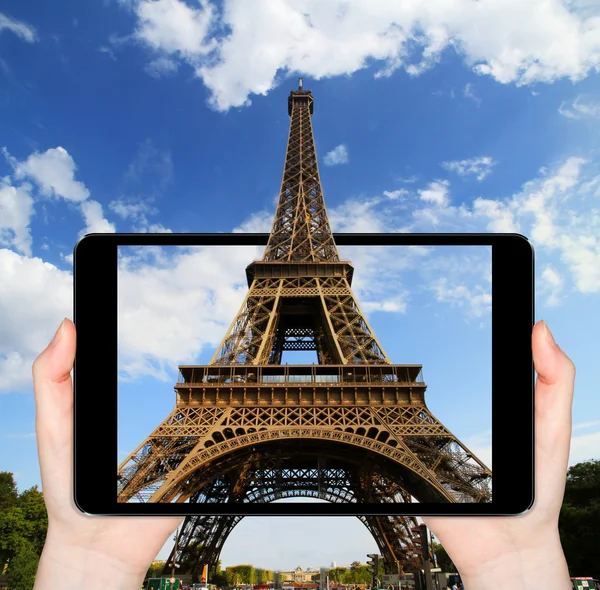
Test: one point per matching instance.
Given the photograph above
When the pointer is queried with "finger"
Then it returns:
(53, 391)
(553, 407)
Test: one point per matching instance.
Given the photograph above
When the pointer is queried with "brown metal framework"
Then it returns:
(353, 428)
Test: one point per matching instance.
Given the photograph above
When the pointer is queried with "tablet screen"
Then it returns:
(370, 382)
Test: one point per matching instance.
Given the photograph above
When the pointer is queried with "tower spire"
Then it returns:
(301, 230)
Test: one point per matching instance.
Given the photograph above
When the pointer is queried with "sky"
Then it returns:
(171, 116)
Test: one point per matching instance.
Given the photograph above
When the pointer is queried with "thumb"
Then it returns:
(53, 391)
(553, 403)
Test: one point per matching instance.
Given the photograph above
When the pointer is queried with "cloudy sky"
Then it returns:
(171, 115)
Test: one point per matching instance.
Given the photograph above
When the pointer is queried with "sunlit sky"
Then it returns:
(171, 115)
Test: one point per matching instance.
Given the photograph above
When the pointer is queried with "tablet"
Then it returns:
(216, 375)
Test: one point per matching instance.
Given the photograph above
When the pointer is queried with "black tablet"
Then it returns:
(215, 374)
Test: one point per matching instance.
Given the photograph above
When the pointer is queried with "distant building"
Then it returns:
(333, 564)
(296, 575)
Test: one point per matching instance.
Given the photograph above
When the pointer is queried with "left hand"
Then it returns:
(78, 545)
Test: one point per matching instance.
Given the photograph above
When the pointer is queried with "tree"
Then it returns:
(155, 570)
(338, 574)
(580, 519)
(12, 533)
(32, 504)
(23, 520)
(22, 569)
(583, 484)
(240, 574)
(219, 579)
(8, 490)
(263, 576)
(443, 559)
(217, 576)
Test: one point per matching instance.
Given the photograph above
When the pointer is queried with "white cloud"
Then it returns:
(480, 166)
(558, 211)
(54, 174)
(16, 209)
(134, 211)
(356, 216)
(34, 297)
(19, 28)
(468, 92)
(109, 51)
(162, 67)
(408, 180)
(175, 27)
(500, 216)
(154, 228)
(397, 305)
(176, 302)
(436, 193)
(551, 285)
(138, 213)
(477, 301)
(257, 223)
(397, 194)
(555, 211)
(246, 48)
(580, 108)
(338, 155)
(94, 218)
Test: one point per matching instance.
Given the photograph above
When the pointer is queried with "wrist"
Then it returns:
(82, 567)
(542, 566)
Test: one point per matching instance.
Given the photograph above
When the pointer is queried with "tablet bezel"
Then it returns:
(95, 378)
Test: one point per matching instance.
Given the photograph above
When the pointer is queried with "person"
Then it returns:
(518, 552)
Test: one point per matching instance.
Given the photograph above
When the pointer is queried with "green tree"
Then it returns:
(155, 569)
(380, 570)
(23, 520)
(22, 569)
(263, 576)
(219, 579)
(13, 530)
(354, 576)
(443, 559)
(240, 574)
(31, 502)
(579, 521)
(338, 574)
(8, 490)
(217, 576)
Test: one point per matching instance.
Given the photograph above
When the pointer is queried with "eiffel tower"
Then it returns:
(352, 428)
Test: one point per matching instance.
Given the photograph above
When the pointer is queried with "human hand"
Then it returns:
(81, 550)
(524, 551)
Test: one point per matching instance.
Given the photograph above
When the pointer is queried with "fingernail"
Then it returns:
(59, 333)
(548, 336)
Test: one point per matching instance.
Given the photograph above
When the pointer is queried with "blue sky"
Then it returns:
(162, 115)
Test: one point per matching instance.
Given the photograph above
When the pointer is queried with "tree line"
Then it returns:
(24, 524)
(23, 528)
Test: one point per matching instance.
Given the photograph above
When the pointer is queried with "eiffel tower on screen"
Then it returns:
(352, 428)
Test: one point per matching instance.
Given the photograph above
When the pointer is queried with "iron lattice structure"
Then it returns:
(352, 428)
